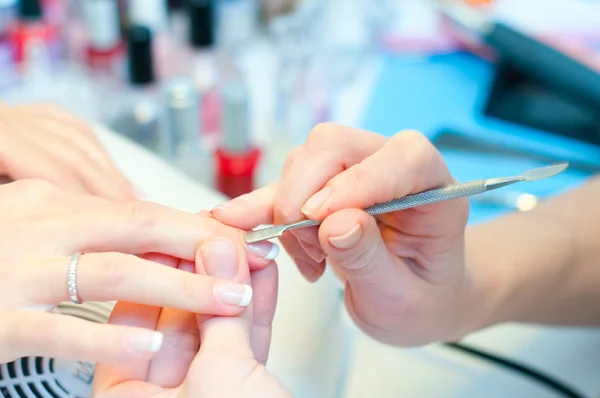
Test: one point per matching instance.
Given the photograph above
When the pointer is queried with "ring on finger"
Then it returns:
(72, 278)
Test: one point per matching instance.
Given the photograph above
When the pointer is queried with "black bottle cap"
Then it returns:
(30, 10)
(140, 61)
(201, 33)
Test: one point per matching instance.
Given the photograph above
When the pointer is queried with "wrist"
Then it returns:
(489, 284)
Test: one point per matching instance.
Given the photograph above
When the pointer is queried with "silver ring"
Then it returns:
(73, 278)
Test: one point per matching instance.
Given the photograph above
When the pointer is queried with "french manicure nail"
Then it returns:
(233, 293)
(347, 240)
(316, 201)
(265, 250)
(144, 341)
(220, 258)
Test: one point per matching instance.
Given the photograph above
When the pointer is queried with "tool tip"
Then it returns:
(545, 172)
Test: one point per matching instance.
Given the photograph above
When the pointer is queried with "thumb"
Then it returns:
(376, 281)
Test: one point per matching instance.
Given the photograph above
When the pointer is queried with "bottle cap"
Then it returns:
(151, 13)
(201, 28)
(140, 60)
(182, 107)
(30, 10)
(102, 20)
(236, 118)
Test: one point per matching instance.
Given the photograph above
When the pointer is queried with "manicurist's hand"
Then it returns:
(46, 142)
(406, 278)
(203, 357)
(57, 246)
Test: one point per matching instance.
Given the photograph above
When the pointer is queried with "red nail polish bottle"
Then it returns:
(105, 49)
(237, 159)
(31, 30)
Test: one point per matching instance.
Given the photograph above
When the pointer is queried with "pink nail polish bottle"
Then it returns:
(202, 56)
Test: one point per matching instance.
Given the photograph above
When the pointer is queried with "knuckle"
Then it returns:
(287, 212)
(111, 268)
(420, 153)
(291, 157)
(140, 214)
(189, 294)
(324, 136)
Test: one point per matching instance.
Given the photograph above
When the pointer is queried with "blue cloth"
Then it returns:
(449, 91)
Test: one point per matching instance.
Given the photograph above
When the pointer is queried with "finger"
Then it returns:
(377, 283)
(181, 343)
(417, 166)
(32, 333)
(21, 199)
(310, 269)
(329, 150)
(52, 112)
(256, 208)
(107, 375)
(249, 210)
(219, 335)
(87, 157)
(136, 228)
(116, 276)
(39, 164)
(264, 284)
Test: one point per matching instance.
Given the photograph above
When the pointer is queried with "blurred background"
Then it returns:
(221, 90)
(224, 89)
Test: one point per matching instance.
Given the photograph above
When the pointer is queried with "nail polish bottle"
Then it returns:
(8, 12)
(8, 71)
(104, 49)
(181, 103)
(201, 38)
(236, 157)
(237, 22)
(167, 51)
(31, 29)
(138, 116)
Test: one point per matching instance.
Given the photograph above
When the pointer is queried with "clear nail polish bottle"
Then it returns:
(182, 123)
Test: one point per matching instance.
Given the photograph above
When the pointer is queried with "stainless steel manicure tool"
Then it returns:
(454, 191)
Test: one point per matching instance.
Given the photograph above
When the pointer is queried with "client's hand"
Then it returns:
(202, 357)
(41, 227)
(44, 141)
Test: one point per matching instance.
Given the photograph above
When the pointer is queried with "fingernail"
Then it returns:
(223, 206)
(265, 250)
(233, 293)
(220, 258)
(144, 340)
(316, 201)
(348, 240)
